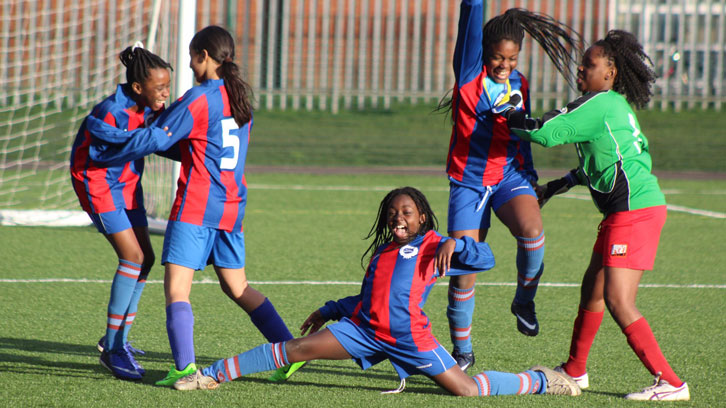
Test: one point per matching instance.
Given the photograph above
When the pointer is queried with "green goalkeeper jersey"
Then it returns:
(614, 159)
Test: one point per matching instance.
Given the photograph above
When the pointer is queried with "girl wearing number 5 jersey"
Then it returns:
(615, 164)
(208, 130)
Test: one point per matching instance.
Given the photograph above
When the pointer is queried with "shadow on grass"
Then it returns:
(53, 358)
(32, 356)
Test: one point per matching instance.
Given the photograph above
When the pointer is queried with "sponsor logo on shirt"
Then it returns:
(619, 250)
(408, 251)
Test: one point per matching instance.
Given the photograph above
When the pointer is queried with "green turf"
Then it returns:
(413, 135)
(314, 233)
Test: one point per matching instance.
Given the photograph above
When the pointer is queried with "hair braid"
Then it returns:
(138, 61)
(561, 43)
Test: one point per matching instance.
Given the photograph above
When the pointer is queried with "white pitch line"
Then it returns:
(671, 207)
(696, 211)
(207, 281)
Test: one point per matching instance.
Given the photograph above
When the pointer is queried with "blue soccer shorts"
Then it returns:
(367, 352)
(470, 208)
(195, 246)
(115, 221)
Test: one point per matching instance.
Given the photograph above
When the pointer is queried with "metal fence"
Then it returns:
(341, 54)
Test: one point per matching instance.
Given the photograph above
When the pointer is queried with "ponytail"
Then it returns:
(238, 91)
(219, 45)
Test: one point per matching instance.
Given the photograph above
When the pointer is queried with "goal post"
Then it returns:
(58, 58)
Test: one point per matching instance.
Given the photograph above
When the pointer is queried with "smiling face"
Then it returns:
(404, 219)
(501, 60)
(155, 90)
(597, 72)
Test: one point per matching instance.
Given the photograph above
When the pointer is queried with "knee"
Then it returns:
(295, 350)
(465, 389)
(619, 304)
(530, 230)
(136, 257)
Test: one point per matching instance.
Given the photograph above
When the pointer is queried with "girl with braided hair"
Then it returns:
(489, 167)
(113, 198)
(385, 320)
(615, 164)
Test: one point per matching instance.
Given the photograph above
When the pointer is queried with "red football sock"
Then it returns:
(586, 326)
(642, 341)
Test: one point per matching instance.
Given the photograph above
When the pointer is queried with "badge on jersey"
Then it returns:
(619, 250)
(408, 251)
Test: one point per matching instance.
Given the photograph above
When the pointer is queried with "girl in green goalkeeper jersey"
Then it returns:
(615, 164)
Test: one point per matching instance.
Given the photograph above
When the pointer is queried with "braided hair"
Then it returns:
(219, 45)
(380, 231)
(559, 41)
(138, 61)
(634, 72)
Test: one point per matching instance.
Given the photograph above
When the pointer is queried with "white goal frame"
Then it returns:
(58, 58)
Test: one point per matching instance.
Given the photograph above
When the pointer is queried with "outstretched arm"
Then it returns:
(332, 310)
(580, 121)
(113, 146)
(468, 51)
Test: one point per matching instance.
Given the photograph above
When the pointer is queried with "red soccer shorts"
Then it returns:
(629, 239)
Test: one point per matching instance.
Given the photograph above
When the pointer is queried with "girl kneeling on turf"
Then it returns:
(385, 320)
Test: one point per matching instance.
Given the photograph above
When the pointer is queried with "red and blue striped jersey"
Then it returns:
(395, 287)
(102, 189)
(212, 190)
(482, 149)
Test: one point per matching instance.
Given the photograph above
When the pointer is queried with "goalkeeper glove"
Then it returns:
(504, 108)
(554, 187)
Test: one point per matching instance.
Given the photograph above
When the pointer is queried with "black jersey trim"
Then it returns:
(618, 198)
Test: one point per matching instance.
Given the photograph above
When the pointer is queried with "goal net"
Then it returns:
(58, 58)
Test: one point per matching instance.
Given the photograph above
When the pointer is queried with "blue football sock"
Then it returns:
(122, 289)
(269, 323)
(180, 329)
(460, 313)
(134, 305)
(499, 383)
(530, 254)
(266, 357)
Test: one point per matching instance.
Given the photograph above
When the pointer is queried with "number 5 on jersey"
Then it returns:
(229, 140)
